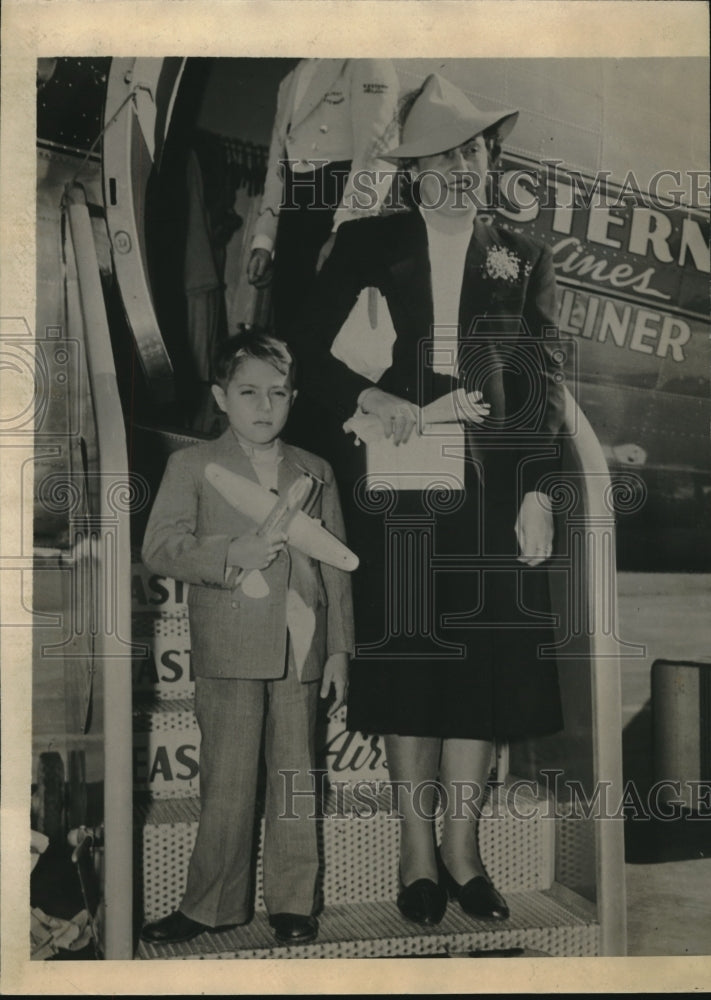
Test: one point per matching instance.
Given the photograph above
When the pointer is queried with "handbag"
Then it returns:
(433, 458)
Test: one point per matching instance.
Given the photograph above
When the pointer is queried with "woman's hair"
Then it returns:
(251, 342)
(493, 140)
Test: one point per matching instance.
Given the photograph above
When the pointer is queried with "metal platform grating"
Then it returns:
(160, 622)
(538, 921)
(359, 855)
(159, 714)
(575, 854)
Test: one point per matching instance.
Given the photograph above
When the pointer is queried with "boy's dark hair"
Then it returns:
(252, 342)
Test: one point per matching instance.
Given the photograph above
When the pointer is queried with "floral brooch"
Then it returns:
(504, 265)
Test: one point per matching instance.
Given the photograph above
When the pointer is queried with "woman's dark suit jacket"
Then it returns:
(508, 348)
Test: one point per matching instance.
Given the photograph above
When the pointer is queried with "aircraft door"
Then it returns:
(139, 103)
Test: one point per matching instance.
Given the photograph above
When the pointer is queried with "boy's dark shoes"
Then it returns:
(176, 927)
(293, 928)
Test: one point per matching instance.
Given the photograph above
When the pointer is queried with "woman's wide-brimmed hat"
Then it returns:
(441, 118)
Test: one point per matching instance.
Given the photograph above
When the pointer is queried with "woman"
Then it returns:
(452, 593)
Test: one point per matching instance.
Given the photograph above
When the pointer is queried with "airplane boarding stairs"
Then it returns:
(532, 857)
(563, 878)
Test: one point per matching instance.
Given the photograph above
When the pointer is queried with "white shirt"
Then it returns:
(265, 462)
(448, 238)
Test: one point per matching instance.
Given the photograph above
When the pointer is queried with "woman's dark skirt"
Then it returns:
(451, 629)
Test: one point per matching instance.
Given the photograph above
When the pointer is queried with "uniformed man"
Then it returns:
(332, 117)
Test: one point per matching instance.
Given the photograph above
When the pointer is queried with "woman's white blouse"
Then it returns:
(448, 238)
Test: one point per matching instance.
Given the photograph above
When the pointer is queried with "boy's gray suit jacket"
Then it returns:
(187, 538)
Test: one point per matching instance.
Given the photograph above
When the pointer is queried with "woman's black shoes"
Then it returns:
(423, 902)
(477, 897)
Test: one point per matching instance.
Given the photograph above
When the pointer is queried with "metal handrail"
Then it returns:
(111, 650)
(600, 607)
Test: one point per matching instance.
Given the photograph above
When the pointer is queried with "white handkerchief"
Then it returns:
(365, 340)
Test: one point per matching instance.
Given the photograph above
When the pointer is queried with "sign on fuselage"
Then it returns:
(633, 274)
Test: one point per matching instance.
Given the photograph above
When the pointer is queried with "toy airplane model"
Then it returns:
(274, 513)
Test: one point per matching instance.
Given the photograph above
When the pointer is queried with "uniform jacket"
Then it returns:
(347, 109)
(508, 340)
(187, 537)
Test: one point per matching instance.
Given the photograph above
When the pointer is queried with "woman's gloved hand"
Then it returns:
(398, 417)
(534, 529)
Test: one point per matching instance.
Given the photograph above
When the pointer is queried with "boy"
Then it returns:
(257, 657)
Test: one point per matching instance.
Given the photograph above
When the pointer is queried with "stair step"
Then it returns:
(166, 741)
(164, 671)
(359, 852)
(166, 745)
(541, 920)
